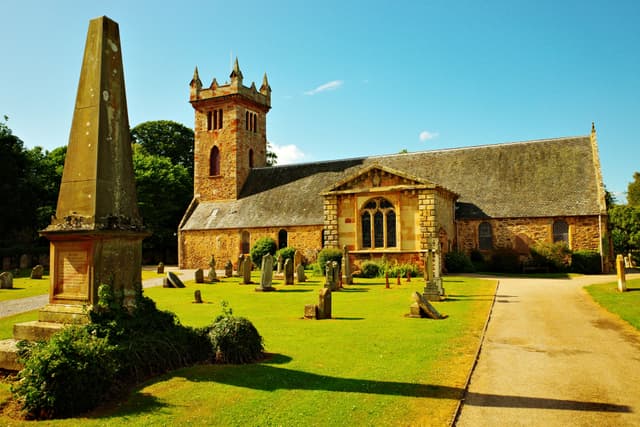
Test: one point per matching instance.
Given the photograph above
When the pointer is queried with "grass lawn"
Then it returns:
(369, 365)
(25, 287)
(624, 304)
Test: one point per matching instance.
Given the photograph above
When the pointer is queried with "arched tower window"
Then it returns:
(214, 162)
(485, 236)
(245, 242)
(383, 227)
(251, 158)
(560, 231)
(282, 239)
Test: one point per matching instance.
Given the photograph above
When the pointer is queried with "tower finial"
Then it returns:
(236, 73)
(593, 127)
(195, 81)
(265, 88)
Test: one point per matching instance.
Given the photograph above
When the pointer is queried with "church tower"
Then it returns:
(230, 134)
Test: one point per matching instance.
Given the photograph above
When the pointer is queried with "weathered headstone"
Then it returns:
(246, 271)
(6, 280)
(197, 296)
(199, 276)
(324, 304)
(25, 261)
(166, 283)
(347, 276)
(332, 274)
(174, 280)
(37, 272)
(433, 290)
(310, 311)
(422, 308)
(160, 268)
(631, 263)
(239, 271)
(288, 271)
(300, 274)
(6, 263)
(212, 277)
(297, 259)
(279, 266)
(228, 269)
(266, 274)
(622, 281)
(437, 264)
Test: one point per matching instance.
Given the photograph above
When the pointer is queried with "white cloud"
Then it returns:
(425, 135)
(332, 85)
(287, 154)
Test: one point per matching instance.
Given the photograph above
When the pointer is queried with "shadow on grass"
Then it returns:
(354, 290)
(293, 290)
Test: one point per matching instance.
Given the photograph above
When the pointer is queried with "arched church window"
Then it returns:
(250, 158)
(383, 227)
(485, 236)
(282, 239)
(560, 231)
(214, 162)
(245, 242)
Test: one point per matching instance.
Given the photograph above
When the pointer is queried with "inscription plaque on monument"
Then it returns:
(71, 271)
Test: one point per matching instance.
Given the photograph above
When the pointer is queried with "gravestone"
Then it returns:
(37, 272)
(6, 263)
(197, 296)
(199, 276)
(437, 264)
(25, 261)
(332, 275)
(174, 281)
(324, 304)
(297, 259)
(300, 274)
(279, 266)
(160, 269)
(239, 271)
(212, 277)
(6, 280)
(266, 274)
(622, 281)
(347, 276)
(631, 263)
(228, 269)
(246, 271)
(288, 271)
(422, 308)
(310, 311)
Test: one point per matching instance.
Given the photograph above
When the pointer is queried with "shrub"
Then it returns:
(586, 262)
(556, 256)
(476, 256)
(286, 253)
(370, 269)
(504, 260)
(70, 374)
(457, 262)
(329, 254)
(402, 270)
(263, 246)
(235, 339)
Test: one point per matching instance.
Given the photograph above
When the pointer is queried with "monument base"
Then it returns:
(35, 330)
(64, 313)
(9, 359)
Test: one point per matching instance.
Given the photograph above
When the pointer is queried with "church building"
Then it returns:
(508, 195)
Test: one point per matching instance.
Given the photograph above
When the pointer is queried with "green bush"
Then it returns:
(402, 270)
(263, 246)
(286, 253)
(586, 262)
(556, 256)
(370, 269)
(329, 254)
(457, 262)
(504, 260)
(71, 373)
(235, 339)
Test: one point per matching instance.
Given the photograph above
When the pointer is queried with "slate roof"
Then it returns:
(553, 177)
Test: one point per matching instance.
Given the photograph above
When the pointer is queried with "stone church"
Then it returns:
(508, 195)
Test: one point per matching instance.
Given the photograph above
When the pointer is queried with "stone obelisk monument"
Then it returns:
(96, 234)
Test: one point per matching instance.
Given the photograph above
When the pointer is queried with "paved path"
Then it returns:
(552, 357)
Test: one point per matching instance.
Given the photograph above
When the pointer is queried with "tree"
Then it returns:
(633, 190)
(166, 138)
(625, 228)
(272, 157)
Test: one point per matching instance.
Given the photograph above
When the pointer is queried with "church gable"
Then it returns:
(379, 178)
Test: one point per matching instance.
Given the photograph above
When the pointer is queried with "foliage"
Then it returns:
(70, 374)
(272, 157)
(235, 339)
(586, 262)
(286, 253)
(263, 246)
(504, 260)
(457, 262)
(633, 191)
(370, 269)
(164, 190)
(401, 270)
(329, 254)
(556, 256)
(625, 228)
(166, 138)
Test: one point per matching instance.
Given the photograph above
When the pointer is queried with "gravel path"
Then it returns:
(553, 357)
(21, 305)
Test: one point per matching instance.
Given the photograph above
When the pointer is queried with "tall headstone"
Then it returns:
(300, 274)
(96, 234)
(240, 262)
(332, 275)
(160, 268)
(228, 269)
(347, 277)
(212, 277)
(288, 271)
(279, 265)
(297, 259)
(431, 290)
(266, 274)
(246, 271)
(324, 304)
(198, 275)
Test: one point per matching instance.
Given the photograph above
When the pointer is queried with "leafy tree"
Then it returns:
(166, 138)
(272, 157)
(625, 228)
(633, 190)
(164, 191)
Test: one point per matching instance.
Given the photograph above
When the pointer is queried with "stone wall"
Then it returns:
(198, 246)
(521, 233)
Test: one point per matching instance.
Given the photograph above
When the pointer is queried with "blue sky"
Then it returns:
(350, 78)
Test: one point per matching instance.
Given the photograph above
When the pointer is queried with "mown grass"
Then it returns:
(369, 365)
(25, 287)
(624, 304)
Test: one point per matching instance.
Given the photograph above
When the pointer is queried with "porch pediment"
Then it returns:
(376, 177)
